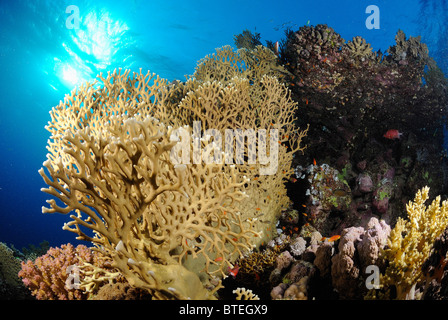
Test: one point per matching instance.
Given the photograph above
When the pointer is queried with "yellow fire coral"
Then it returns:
(164, 223)
(226, 64)
(146, 213)
(248, 96)
(410, 243)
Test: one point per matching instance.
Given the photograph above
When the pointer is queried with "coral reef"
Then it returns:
(351, 96)
(171, 225)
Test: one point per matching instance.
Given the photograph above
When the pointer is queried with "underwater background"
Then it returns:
(42, 59)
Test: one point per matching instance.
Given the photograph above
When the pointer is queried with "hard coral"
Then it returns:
(410, 244)
(360, 48)
(48, 277)
(358, 248)
(120, 176)
(163, 223)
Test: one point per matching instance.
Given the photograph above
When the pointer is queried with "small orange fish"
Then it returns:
(331, 239)
(293, 180)
(314, 162)
(304, 205)
(306, 224)
(334, 238)
(296, 229)
(256, 178)
(306, 101)
(234, 271)
(234, 239)
(218, 259)
(304, 214)
(258, 209)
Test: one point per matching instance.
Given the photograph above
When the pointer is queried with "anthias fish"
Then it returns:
(392, 134)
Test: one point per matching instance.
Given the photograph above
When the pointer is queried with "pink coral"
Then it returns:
(365, 183)
(373, 240)
(46, 277)
(284, 260)
(344, 270)
(358, 248)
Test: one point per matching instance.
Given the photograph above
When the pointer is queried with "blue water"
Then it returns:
(41, 60)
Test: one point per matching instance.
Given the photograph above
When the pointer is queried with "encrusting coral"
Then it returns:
(168, 227)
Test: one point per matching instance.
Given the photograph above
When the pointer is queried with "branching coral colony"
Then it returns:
(171, 228)
(410, 244)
